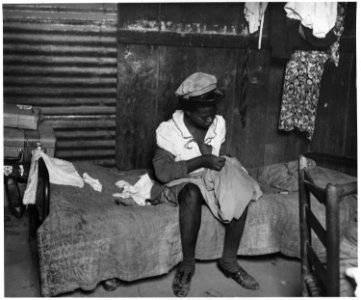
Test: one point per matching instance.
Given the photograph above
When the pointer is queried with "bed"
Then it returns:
(83, 237)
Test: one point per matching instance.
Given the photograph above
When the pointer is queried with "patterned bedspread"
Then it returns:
(88, 238)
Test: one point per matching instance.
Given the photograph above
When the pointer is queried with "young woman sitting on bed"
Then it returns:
(187, 145)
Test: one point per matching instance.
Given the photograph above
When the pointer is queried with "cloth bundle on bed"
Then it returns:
(88, 238)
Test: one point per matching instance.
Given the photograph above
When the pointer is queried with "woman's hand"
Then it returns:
(209, 161)
(214, 162)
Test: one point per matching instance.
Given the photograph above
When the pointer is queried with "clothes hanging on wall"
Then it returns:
(287, 35)
(301, 91)
(254, 13)
(283, 32)
(303, 76)
(322, 24)
(319, 16)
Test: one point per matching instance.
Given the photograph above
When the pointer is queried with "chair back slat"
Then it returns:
(313, 222)
(318, 267)
(318, 192)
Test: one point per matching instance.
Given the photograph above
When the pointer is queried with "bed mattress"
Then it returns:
(88, 238)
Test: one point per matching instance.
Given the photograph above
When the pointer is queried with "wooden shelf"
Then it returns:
(188, 39)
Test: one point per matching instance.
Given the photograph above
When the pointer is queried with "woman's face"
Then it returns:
(202, 117)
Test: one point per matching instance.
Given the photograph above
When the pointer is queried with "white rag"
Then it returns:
(60, 172)
(355, 273)
(139, 192)
(93, 182)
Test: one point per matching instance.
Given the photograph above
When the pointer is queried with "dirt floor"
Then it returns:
(278, 276)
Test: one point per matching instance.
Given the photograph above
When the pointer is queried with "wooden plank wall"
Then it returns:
(63, 58)
(161, 44)
(104, 86)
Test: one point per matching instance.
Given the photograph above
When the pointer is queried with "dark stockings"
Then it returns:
(233, 235)
(190, 212)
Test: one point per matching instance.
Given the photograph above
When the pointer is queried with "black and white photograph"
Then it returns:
(179, 149)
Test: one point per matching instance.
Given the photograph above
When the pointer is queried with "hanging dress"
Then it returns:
(302, 83)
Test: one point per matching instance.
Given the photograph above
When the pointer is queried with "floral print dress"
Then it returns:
(301, 91)
(302, 83)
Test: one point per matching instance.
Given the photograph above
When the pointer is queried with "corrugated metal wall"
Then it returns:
(63, 58)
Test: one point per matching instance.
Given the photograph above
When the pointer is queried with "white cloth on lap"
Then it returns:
(60, 172)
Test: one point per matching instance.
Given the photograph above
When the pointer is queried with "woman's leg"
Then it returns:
(190, 211)
(232, 239)
(228, 262)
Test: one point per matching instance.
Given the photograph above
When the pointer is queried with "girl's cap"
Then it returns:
(196, 85)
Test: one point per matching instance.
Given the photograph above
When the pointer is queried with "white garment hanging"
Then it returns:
(60, 172)
(254, 13)
(319, 16)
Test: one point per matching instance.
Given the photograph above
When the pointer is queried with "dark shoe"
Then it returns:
(182, 282)
(111, 284)
(241, 277)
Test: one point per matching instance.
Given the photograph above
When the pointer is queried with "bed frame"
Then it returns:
(39, 211)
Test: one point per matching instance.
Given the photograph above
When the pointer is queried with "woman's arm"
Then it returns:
(167, 169)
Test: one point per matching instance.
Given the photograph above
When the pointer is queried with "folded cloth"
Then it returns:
(93, 182)
(233, 188)
(60, 172)
(139, 192)
(227, 192)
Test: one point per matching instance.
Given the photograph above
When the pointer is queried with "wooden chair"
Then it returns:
(320, 279)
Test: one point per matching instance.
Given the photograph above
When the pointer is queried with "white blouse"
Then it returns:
(174, 137)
